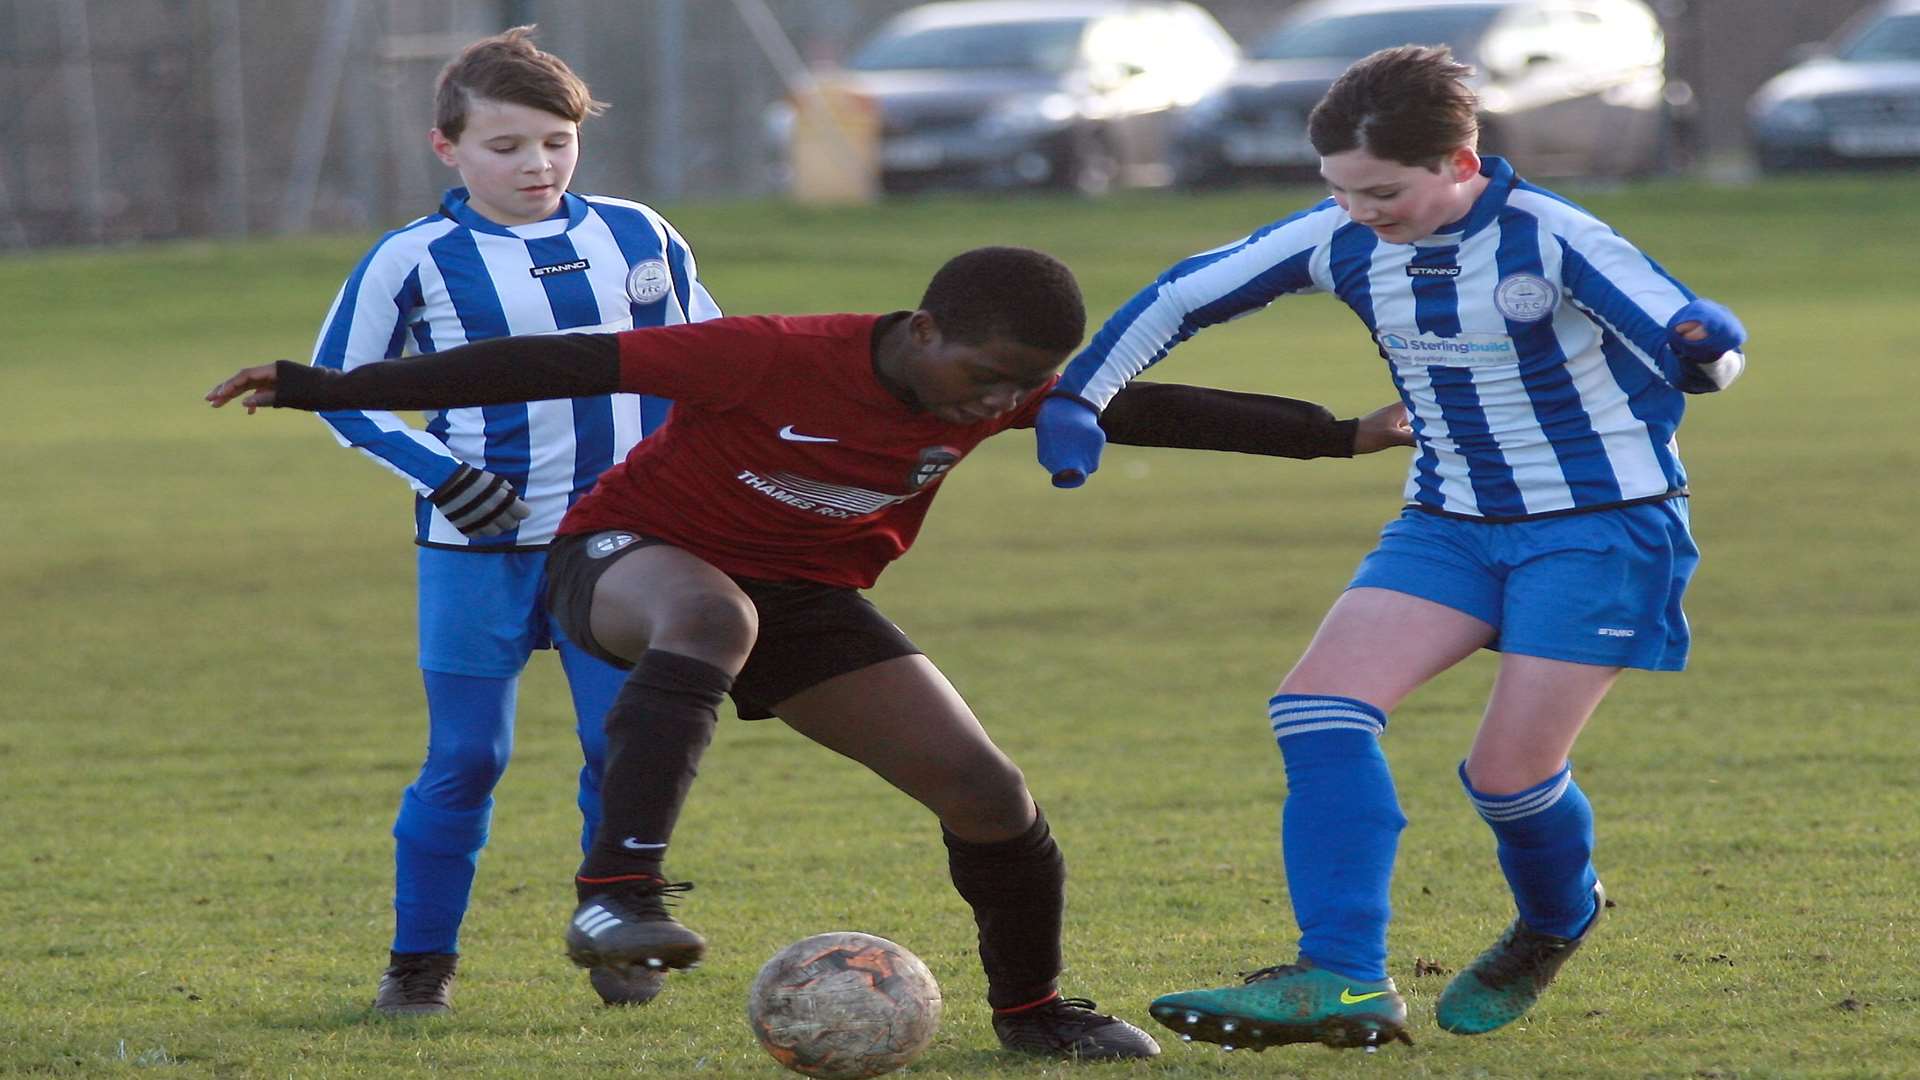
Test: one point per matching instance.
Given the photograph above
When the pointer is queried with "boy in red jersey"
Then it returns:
(726, 555)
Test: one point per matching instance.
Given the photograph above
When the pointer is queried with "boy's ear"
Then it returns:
(442, 147)
(1463, 164)
(924, 329)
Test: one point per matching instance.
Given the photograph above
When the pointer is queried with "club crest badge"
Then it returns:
(1526, 297)
(607, 543)
(935, 462)
(649, 282)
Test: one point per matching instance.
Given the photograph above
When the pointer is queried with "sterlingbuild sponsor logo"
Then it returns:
(1432, 350)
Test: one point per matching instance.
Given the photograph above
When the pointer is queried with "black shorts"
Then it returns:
(809, 632)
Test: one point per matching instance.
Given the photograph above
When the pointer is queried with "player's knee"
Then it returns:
(717, 627)
(986, 799)
(1494, 773)
(463, 772)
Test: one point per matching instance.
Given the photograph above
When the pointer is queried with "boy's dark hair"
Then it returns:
(509, 67)
(1011, 293)
(1406, 104)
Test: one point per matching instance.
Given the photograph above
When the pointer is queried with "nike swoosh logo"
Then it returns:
(1348, 997)
(791, 435)
(632, 843)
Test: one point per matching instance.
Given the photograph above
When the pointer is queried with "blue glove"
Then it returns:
(1069, 438)
(1724, 331)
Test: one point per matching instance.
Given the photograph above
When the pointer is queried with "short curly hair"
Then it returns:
(1407, 104)
(1008, 293)
(509, 67)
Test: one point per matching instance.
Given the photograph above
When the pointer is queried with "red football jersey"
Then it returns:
(784, 458)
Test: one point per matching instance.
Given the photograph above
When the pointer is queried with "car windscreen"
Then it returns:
(1350, 37)
(1896, 37)
(1044, 45)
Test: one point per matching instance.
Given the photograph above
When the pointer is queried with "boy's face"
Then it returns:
(965, 383)
(515, 160)
(1402, 203)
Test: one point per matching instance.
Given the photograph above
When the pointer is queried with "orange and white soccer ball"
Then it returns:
(844, 1005)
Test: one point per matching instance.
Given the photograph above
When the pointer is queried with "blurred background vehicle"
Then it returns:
(1852, 100)
(1568, 87)
(321, 105)
(1077, 94)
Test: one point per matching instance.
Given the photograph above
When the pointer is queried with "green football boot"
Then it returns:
(1503, 983)
(1292, 1003)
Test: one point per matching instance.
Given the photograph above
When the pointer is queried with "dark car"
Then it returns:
(1007, 93)
(1854, 100)
(1567, 87)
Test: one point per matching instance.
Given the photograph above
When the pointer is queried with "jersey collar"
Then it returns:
(1500, 181)
(454, 205)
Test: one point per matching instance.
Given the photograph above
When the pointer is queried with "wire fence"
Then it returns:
(130, 120)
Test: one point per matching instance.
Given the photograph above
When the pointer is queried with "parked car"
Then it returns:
(1070, 94)
(1853, 100)
(1567, 87)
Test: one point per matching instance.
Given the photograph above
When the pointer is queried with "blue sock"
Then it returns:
(1545, 838)
(444, 815)
(594, 683)
(1339, 829)
(434, 856)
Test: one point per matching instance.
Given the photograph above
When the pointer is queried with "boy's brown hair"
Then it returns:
(1407, 104)
(509, 67)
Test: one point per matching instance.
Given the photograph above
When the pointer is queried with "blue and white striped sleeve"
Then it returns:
(1197, 292)
(698, 304)
(368, 324)
(1627, 292)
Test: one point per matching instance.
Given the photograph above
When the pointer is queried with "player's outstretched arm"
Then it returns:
(499, 371)
(1204, 418)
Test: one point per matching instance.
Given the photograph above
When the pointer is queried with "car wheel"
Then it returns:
(1774, 160)
(1194, 172)
(1091, 168)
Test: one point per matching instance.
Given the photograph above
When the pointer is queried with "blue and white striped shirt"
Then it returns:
(1528, 341)
(455, 277)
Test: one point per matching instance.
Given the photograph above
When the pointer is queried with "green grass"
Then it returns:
(211, 706)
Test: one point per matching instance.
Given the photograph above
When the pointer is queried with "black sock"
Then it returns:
(657, 728)
(1018, 891)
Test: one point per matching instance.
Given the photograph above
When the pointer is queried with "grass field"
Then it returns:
(211, 704)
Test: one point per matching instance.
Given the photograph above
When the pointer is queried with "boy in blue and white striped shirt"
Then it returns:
(512, 252)
(1544, 361)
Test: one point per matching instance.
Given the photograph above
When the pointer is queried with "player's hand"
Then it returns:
(256, 382)
(1382, 428)
(1068, 436)
(479, 504)
(1703, 330)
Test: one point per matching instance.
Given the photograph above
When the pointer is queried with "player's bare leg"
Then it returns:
(687, 628)
(1518, 776)
(904, 720)
(1341, 827)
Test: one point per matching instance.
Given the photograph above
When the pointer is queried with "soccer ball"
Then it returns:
(844, 1005)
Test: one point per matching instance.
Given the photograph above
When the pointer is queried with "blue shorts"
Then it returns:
(482, 613)
(1599, 588)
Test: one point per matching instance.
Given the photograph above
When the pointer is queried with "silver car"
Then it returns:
(1567, 87)
(1070, 94)
(1855, 100)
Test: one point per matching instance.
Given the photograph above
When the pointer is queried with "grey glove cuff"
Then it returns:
(479, 503)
